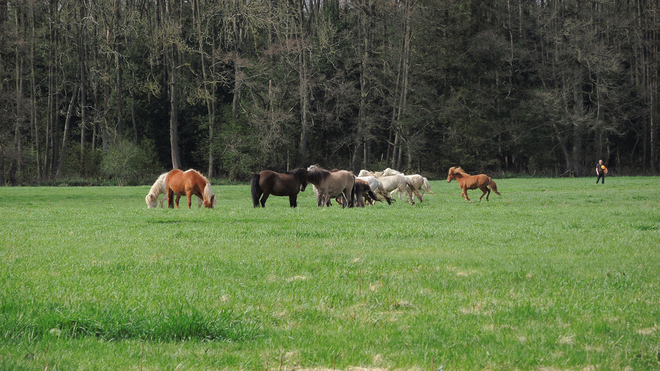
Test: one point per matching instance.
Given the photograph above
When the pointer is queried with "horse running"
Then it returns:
(467, 181)
(188, 183)
(375, 187)
(420, 183)
(392, 182)
(159, 189)
(331, 184)
(268, 183)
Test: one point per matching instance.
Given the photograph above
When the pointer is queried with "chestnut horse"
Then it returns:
(331, 184)
(159, 189)
(268, 183)
(467, 181)
(188, 183)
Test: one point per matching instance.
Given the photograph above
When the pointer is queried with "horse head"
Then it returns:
(151, 200)
(301, 175)
(210, 203)
(453, 171)
(365, 173)
(450, 176)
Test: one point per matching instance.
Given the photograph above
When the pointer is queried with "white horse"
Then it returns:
(395, 182)
(375, 186)
(159, 189)
(420, 183)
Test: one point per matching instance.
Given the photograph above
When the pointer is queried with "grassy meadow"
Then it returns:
(556, 274)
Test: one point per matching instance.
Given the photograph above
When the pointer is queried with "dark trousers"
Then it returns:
(601, 175)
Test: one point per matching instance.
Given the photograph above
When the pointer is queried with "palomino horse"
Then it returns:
(331, 184)
(159, 189)
(420, 183)
(268, 183)
(467, 181)
(375, 187)
(188, 183)
(392, 182)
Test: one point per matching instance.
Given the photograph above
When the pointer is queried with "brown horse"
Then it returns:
(467, 181)
(188, 183)
(331, 184)
(362, 193)
(268, 183)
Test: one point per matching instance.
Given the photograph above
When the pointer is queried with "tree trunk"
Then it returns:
(67, 122)
(207, 94)
(578, 97)
(16, 158)
(33, 100)
(82, 55)
(174, 103)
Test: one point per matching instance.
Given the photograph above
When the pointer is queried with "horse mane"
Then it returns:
(159, 185)
(458, 170)
(198, 173)
(317, 174)
(298, 172)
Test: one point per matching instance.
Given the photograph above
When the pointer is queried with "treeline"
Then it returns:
(121, 89)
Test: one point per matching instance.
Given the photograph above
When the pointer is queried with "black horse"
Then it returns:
(268, 183)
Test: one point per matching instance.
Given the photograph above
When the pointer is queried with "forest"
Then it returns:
(117, 91)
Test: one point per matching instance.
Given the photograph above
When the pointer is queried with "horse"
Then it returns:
(363, 191)
(188, 183)
(392, 182)
(467, 181)
(331, 184)
(159, 189)
(362, 194)
(375, 187)
(268, 183)
(420, 183)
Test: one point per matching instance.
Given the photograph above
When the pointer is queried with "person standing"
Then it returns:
(601, 170)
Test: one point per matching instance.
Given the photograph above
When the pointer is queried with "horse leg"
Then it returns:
(409, 194)
(162, 200)
(465, 196)
(417, 194)
(177, 201)
(189, 195)
(170, 199)
(486, 192)
(293, 200)
(264, 198)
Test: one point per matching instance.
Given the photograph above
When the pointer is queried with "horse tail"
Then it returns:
(381, 191)
(493, 186)
(413, 190)
(373, 195)
(427, 186)
(256, 189)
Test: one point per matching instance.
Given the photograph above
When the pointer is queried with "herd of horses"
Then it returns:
(343, 186)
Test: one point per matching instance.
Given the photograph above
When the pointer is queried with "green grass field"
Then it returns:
(556, 274)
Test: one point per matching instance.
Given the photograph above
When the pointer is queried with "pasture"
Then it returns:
(556, 274)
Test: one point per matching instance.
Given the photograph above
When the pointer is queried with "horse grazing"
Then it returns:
(268, 183)
(329, 184)
(188, 183)
(395, 182)
(467, 181)
(159, 189)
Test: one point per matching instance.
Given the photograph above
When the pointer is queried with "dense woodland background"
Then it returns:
(98, 91)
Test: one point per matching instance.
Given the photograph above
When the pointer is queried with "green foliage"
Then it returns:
(129, 163)
(553, 274)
